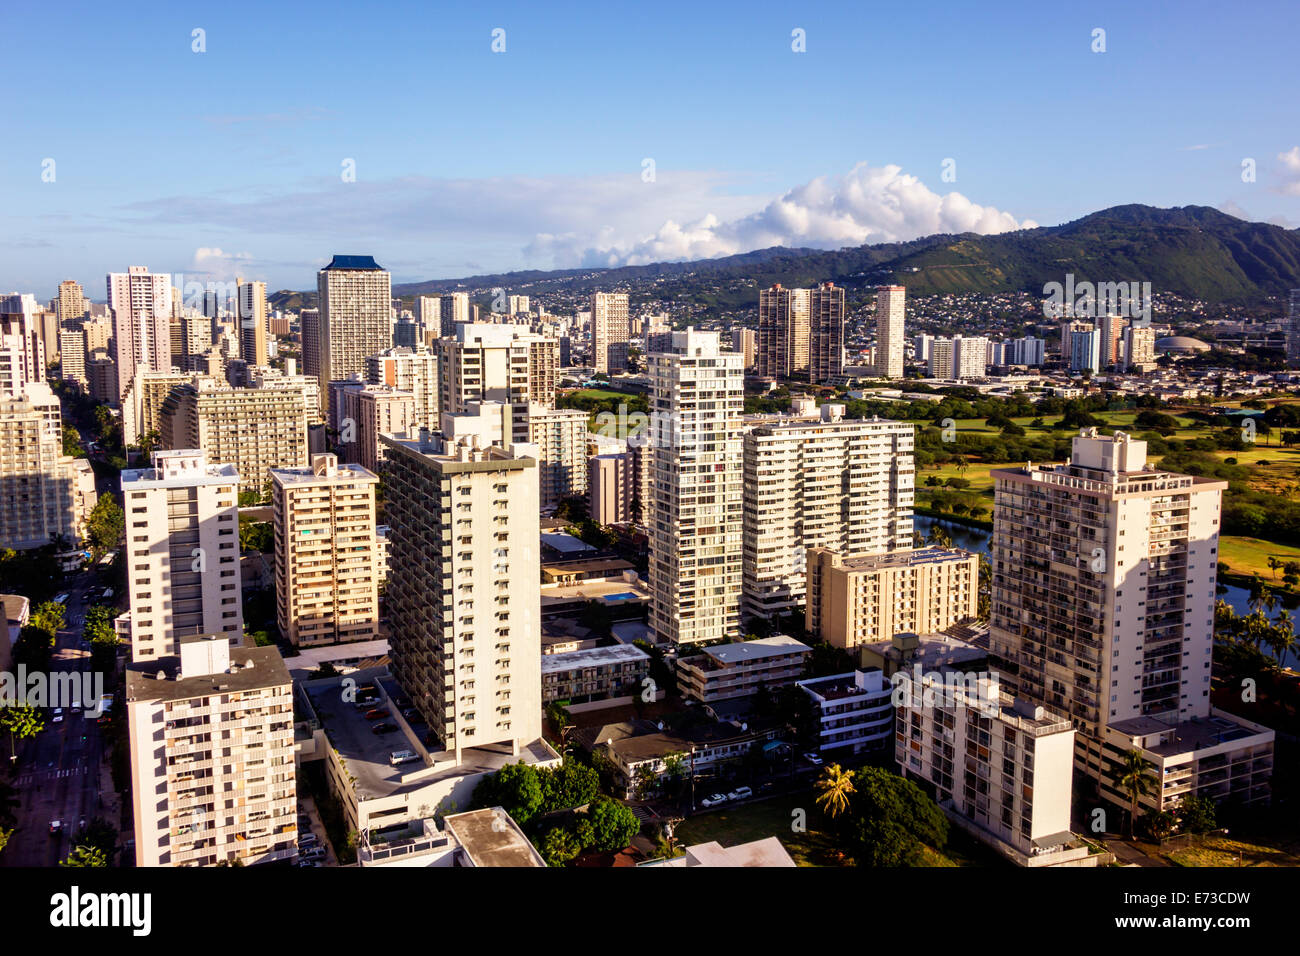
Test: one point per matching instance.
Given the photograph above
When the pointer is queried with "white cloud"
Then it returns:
(1290, 161)
(868, 205)
(213, 262)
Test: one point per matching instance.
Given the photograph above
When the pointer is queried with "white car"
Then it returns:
(740, 793)
(813, 759)
(58, 715)
(713, 800)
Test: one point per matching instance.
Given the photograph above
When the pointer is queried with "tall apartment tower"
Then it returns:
(251, 298)
(141, 303)
(255, 429)
(212, 755)
(609, 332)
(497, 363)
(611, 485)
(783, 331)
(1103, 609)
(1293, 330)
(42, 491)
(697, 394)
(72, 356)
(465, 613)
(71, 303)
(367, 411)
(182, 552)
(1111, 328)
(326, 557)
(1139, 348)
(745, 341)
(560, 435)
(890, 302)
(413, 370)
(825, 333)
(355, 317)
(454, 311)
(831, 483)
(428, 314)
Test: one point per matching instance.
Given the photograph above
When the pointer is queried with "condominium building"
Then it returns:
(251, 299)
(609, 332)
(42, 491)
(560, 436)
(611, 484)
(143, 400)
(857, 598)
(195, 337)
(182, 551)
(958, 358)
(1085, 348)
(999, 765)
(825, 333)
(355, 317)
(744, 341)
(141, 303)
(212, 756)
(462, 599)
(1104, 573)
(595, 677)
(72, 356)
(741, 669)
(827, 482)
(101, 373)
(852, 712)
(890, 303)
(496, 363)
(697, 393)
(71, 302)
(22, 354)
(255, 429)
(783, 332)
(326, 558)
(309, 329)
(411, 370)
(428, 315)
(1140, 348)
(288, 378)
(1111, 329)
(454, 311)
(366, 412)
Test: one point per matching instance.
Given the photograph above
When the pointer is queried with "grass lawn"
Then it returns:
(1223, 851)
(599, 394)
(816, 846)
(1250, 555)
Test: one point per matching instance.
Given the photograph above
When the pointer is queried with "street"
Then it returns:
(58, 773)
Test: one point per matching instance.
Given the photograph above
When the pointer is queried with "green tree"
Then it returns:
(48, 617)
(558, 846)
(72, 442)
(613, 825)
(1197, 815)
(105, 527)
(890, 820)
(22, 721)
(1135, 779)
(85, 856)
(515, 788)
(834, 788)
(571, 784)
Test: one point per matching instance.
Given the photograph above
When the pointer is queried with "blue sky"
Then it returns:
(467, 160)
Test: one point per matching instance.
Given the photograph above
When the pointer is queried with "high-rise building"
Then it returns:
(783, 331)
(958, 358)
(1104, 574)
(744, 341)
(141, 302)
(1293, 330)
(1085, 349)
(182, 551)
(1111, 330)
(858, 598)
(326, 557)
(497, 363)
(697, 396)
(611, 485)
(428, 314)
(825, 333)
(71, 303)
(366, 412)
(609, 332)
(413, 370)
(827, 483)
(517, 305)
(465, 612)
(1139, 348)
(72, 356)
(355, 317)
(288, 377)
(560, 435)
(42, 491)
(99, 334)
(453, 311)
(212, 755)
(309, 328)
(101, 373)
(255, 429)
(251, 300)
(890, 308)
(1028, 351)
(22, 354)
(143, 401)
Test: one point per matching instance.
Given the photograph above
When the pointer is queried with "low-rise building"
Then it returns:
(590, 679)
(727, 671)
(853, 712)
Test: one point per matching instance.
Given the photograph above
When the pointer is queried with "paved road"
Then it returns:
(57, 773)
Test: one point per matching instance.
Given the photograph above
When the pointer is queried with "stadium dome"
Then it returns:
(1181, 345)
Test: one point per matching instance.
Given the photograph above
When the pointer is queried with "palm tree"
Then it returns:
(835, 786)
(1136, 780)
(1273, 565)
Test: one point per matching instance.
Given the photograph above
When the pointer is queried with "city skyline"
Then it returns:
(301, 173)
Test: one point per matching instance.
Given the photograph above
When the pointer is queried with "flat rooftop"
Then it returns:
(904, 559)
(934, 651)
(841, 686)
(489, 837)
(594, 657)
(1196, 734)
(774, 646)
(267, 670)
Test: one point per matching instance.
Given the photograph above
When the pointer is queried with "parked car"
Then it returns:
(56, 827)
(813, 759)
(314, 853)
(714, 800)
(307, 840)
(740, 793)
(384, 728)
(308, 863)
(58, 716)
(376, 714)
(402, 756)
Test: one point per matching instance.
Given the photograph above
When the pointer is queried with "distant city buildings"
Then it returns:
(609, 332)
(890, 333)
(141, 304)
(355, 318)
(783, 332)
